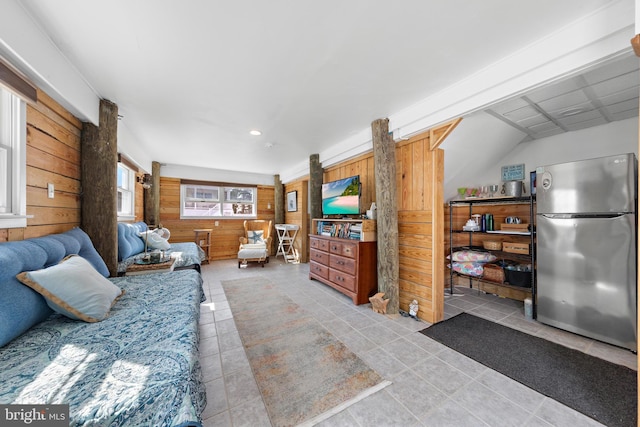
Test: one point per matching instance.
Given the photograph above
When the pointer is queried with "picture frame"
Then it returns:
(292, 201)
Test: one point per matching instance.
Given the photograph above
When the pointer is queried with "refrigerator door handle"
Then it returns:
(578, 216)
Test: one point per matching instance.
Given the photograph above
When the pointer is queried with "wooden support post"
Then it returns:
(152, 197)
(278, 203)
(384, 154)
(315, 186)
(99, 154)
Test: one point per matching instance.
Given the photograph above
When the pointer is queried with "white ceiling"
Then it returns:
(191, 78)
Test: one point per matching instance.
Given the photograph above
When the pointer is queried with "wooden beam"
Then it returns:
(384, 152)
(438, 134)
(17, 84)
(152, 197)
(278, 202)
(315, 186)
(99, 153)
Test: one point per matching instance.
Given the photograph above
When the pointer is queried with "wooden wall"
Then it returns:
(420, 172)
(225, 236)
(53, 156)
(300, 217)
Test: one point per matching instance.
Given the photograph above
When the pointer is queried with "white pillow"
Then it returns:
(154, 241)
(74, 288)
(255, 236)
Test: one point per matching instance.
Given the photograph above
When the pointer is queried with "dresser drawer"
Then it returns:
(348, 265)
(320, 244)
(319, 270)
(319, 256)
(342, 279)
(347, 249)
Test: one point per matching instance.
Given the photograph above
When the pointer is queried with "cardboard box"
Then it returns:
(516, 248)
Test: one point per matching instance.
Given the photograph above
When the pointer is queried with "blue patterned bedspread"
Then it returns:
(138, 367)
(186, 254)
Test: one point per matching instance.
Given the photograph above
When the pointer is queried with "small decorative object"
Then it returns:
(371, 212)
(378, 304)
(413, 308)
(292, 201)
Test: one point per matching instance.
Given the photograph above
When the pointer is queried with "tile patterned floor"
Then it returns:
(432, 384)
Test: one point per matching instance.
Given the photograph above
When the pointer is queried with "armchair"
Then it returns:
(255, 245)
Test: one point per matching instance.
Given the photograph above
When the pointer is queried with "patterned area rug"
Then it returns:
(304, 373)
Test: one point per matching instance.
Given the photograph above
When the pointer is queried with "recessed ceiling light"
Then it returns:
(255, 132)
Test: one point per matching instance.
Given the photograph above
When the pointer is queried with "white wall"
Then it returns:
(216, 175)
(605, 140)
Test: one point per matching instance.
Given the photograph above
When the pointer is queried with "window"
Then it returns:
(13, 137)
(207, 201)
(126, 195)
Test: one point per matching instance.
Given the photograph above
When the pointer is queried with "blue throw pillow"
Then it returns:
(74, 288)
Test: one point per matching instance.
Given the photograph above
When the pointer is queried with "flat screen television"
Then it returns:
(341, 197)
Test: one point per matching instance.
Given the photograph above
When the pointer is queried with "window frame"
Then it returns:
(130, 190)
(221, 197)
(13, 133)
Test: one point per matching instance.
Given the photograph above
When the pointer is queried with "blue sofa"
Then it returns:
(136, 366)
(131, 246)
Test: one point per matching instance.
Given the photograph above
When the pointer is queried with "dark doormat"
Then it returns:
(599, 389)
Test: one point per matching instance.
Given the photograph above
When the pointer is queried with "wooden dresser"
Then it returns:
(347, 265)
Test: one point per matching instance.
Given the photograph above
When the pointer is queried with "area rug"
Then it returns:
(304, 373)
(597, 388)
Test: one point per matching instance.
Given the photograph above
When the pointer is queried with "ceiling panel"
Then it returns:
(597, 96)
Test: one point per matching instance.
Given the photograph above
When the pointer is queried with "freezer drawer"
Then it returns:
(586, 279)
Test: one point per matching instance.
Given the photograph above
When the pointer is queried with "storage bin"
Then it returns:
(516, 248)
(518, 278)
(492, 245)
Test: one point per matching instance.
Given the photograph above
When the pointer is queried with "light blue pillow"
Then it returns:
(74, 288)
(255, 236)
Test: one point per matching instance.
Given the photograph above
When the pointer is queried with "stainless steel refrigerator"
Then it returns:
(586, 248)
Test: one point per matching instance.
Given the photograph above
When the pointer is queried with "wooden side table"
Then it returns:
(203, 239)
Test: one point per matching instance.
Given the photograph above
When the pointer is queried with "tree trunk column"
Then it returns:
(384, 154)
(99, 157)
(315, 186)
(152, 197)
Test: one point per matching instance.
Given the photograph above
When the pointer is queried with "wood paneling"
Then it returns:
(225, 237)
(53, 156)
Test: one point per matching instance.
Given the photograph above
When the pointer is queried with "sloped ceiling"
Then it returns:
(192, 78)
(602, 94)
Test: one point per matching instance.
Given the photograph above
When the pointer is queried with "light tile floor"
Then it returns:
(432, 385)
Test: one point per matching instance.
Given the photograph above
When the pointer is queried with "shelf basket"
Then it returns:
(493, 273)
(492, 245)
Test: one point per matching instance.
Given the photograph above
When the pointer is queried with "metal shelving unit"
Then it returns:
(530, 258)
